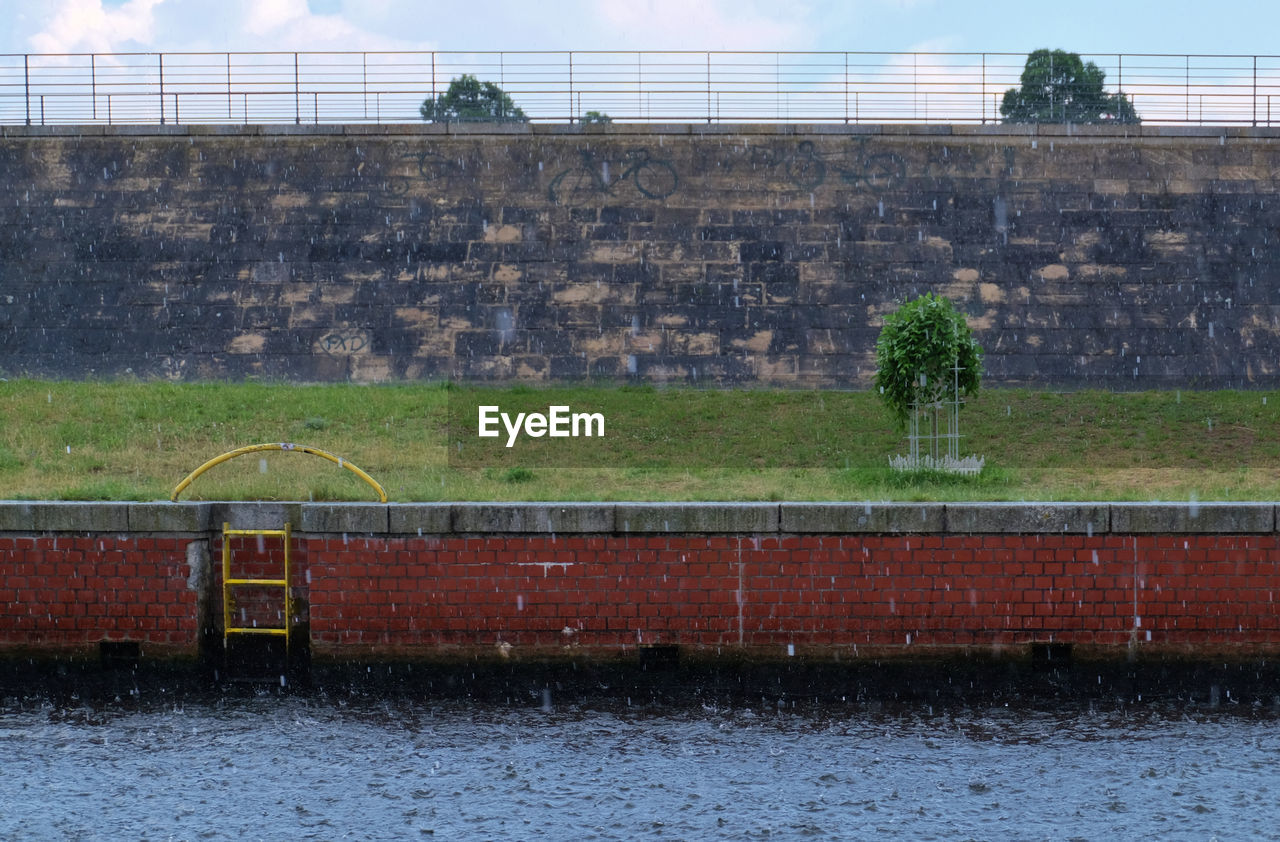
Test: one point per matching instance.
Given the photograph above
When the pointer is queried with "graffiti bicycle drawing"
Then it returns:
(434, 172)
(872, 171)
(578, 185)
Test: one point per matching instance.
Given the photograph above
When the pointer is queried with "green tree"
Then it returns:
(926, 356)
(470, 99)
(1058, 87)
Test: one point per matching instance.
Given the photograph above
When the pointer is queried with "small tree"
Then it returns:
(470, 99)
(927, 361)
(1058, 87)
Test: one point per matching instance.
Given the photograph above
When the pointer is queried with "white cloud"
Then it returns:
(704, 25)
(290, 24)
(83, 26)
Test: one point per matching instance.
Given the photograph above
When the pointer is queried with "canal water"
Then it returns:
(261, 764)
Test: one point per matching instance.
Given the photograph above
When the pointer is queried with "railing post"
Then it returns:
(229, 107)
(26, 83)
(571, 88)
(1255, 91)
(93, 85)
(708, 86)
(160, 57)
(297, 102)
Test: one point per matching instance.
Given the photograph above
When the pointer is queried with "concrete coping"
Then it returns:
(633, 518)
(1063, 130)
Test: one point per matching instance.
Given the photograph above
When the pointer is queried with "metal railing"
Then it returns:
(686, 87)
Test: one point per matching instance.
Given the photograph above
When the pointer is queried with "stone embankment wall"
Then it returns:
(767, 580)
(1123, 258)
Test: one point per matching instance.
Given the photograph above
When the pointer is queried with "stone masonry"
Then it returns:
(722, 255)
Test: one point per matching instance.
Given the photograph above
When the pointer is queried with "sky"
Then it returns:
(1083, 26)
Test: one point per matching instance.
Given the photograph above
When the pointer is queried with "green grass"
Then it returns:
(136, 441)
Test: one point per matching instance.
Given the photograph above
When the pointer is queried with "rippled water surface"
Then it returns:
(273, 767)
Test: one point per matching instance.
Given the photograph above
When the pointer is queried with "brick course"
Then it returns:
(603, 595)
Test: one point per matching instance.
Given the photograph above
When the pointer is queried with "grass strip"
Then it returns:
(136, 441)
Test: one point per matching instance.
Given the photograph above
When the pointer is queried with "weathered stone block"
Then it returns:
(420, 518)
(255, 515)
(21, 516)
(169, 517)
(483, 518)
(1085, 518)
(714, 518)
(861, 517)
(344, 517)
(1145, 518)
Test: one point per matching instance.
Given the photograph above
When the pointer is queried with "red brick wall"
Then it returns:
(404, 596)
(809, 592)
(260, 557)
(70, 593)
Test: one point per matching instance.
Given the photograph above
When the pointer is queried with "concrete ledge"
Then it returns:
(130, 130)
(696, 517)
(861, 517)
(344, 517)
(485, 128)
(411, 127)
(630, 518)
(533, 517)
(419, 518)
(1248, 518)
(56, 516)
(169, 517)
(255, 515)
(1086, 518)
(365, 129)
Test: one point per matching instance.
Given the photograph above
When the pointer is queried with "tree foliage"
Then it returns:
(1058, 87)
(470, 99)
(918, 352)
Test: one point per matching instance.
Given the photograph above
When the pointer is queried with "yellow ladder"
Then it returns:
(229, 583)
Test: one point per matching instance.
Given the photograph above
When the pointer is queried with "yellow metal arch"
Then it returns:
(288, 448)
